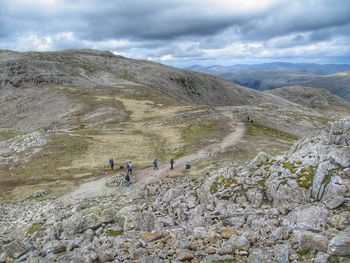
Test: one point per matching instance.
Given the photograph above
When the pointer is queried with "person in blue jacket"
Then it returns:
(155, 164)
(111, 163)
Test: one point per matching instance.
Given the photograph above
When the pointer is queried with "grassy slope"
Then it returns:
(148, 129)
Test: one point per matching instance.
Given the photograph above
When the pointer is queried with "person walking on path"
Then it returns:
(172, 164)
(127, 180)
(129, 168)
(155, 164)
(111, 163)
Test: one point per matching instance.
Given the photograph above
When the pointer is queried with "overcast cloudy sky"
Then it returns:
(184, 32)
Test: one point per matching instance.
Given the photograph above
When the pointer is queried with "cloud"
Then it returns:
(180, 30)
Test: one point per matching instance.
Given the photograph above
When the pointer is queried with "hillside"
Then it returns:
(63, 115)
(333, 78)
(95, 69)
(316, 98)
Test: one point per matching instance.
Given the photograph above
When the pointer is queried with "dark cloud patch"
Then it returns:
(178, 29)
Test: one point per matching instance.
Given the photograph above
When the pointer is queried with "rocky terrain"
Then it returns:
(287, 208)
(63, 115)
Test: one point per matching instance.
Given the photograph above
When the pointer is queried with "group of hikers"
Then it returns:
(129, 168)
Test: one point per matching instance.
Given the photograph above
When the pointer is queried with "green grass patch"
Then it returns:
(117, 233)
(195, 134)
(34, 228)
(303, 253)
(47, 167)
(290, 166)
(8, 134)
(222, 182)
(306, 177)
(255, 129)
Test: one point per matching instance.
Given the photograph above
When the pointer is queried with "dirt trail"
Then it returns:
(97, 188)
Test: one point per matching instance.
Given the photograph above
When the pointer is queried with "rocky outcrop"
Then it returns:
(264, 211)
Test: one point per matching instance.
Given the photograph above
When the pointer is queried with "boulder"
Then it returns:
(14, 249)
(170, 195)
(260, 159)
(92, 217)
(55, 247)
(313, 241)
(340, 244)
(281, 253)
(255, 196)
(334, 202)
(184, 255)
(155, 235)
(310, 217)
(233, 244)
(321, 258)
(258, 255)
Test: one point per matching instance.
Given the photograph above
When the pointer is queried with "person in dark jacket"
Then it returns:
(129, 168)
(111, 163)
(155, 164)
(172, 164)
(127, 180)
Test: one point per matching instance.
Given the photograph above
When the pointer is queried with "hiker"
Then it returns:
(129, 168)
(111, 163)
(172, 164)
(155, 164)
(127, 180)
(248, 118)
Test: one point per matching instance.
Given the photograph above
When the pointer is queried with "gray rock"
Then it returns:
(14, 249)
(340, 244)
(340, 221)
(106, 255)
(184, 255)
(261, 158)
(72, 245)
(42, 192)
(153, 259)
(281, 253)
(55, 247)
(314, 241)
(255, 196)
(258, 255)
(170, 195)
(334, 202)
(90, 218)
(307, 218)
(233, 244)
(89, 235)
(321, 257)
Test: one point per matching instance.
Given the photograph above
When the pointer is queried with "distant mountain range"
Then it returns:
(319, 69)
(332, 77)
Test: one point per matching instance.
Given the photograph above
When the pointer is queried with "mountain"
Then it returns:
(320, 69)
(91, 69)
(59, 89)
(334, 78)
(316, 98)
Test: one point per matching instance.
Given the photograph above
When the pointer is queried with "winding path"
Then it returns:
(97, 188)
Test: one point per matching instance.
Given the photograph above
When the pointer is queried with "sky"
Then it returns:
(183, 32)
